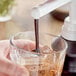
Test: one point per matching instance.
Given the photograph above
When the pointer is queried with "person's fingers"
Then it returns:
(2, 74)
(4, 47)
(12, 69)
(21, 43)
(25, 44)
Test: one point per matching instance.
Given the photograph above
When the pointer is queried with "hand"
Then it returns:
(7, 67)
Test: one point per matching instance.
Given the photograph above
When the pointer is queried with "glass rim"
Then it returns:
(50, 35)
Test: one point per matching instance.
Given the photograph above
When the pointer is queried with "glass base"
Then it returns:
(5, 18)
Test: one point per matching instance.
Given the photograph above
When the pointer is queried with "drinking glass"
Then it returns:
(47, 62)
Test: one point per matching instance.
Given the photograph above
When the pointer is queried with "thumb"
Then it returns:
(12, 69)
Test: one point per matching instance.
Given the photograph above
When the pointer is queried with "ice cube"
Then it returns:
(46, 53)
(48, 58)
(45, 50)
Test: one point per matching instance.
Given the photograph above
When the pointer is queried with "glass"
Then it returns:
(50, 60)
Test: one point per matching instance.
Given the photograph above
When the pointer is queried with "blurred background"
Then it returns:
(22, 20)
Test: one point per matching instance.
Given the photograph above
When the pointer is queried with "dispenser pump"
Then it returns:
(47, 7)
(69, 34)
(69, 27)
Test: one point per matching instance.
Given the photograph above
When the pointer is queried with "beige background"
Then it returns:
(22, 20)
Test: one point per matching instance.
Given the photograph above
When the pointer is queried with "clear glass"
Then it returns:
(50, 60)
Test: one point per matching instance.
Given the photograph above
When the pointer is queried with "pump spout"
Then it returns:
(47, 7)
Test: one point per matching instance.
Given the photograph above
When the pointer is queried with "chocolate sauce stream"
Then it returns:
(36, 25)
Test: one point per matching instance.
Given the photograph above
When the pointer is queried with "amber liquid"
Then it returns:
(70, 60)
(36, 70)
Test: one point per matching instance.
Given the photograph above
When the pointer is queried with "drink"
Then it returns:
(47, 62)
(43, 71)
(40, 71)
(70, 61)
(43, 67)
